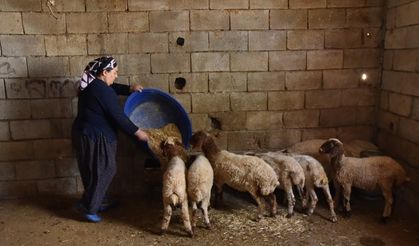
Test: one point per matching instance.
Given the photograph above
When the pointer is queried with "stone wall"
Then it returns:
(398, 119)
(267, 73)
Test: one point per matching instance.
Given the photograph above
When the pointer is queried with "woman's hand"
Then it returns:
(136, 87)
(141, 135)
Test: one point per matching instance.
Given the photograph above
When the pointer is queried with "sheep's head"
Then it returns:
(198, 139)
(170, 147)
(332, 146)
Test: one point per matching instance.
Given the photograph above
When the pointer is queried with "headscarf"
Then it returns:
(95, 68)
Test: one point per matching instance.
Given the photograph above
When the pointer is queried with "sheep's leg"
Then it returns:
(313, 202)
(194, 215)
(347, 199)
(306, 197)
(328, 196)
(291, 202)
(259, 201)
(204, 207)
(185, 218)
(166, 218)
(218, 195)
(388, 197)
(338, 190)
(272, 201)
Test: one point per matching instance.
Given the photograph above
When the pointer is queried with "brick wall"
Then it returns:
(269, 73)
(398, 117)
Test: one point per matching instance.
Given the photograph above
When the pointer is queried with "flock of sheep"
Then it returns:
(261, 173)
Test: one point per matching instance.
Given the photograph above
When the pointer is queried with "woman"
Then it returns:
(94, 132)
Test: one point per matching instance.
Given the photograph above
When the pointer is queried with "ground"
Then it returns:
(53, 221)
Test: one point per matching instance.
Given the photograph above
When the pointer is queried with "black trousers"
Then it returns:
(96, 159)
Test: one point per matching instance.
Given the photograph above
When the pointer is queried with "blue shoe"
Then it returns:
(95, 218)
(105, 206)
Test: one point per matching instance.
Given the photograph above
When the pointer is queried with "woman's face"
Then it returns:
(110, 76)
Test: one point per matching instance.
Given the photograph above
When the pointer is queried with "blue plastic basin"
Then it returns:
(153, 108)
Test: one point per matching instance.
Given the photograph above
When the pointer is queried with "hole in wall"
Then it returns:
(180, 83)
(215, 123)
(180, 41)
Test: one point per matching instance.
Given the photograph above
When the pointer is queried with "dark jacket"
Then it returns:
(99, 112)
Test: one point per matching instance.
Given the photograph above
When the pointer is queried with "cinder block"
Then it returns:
(407, 14)
(415, 112)
(51, 108)
(343, 116)
(391, 81)
(11, 151)
(228, 121)
(288, 19)
(303, 40)
(195, 82)
(76, 22)
(246, 101)
(147, 42)
(279, 139)
(30, 129)
(133, 64)
(345, 3)
(128, 22)
(66, 6)
(263, 81)
(326, 18)
(318, 133)
(106, 5)
(343, 38)
(267, 40)
(135, 5)
(287, 60)
(397, 38)
(13, 67)
(11, 23)
(364, 17)
(359, 97)
(62, 186)
(383, 100)
(22, 45)
(372, 37)
(170, 63)
(325, 59)
(333, 79)
(34, 170)
(206, 103)
(263, 120)
(185, 101)
(246, 141)
(215, 61)
(2, 89)
(400, 104)
(268, 4)
(21, 5)
(361, 58)
(409, 129)
(160, 81)
(388, 122)
(48, 66)
(200, 122)
(307, 4)
(68, 45)
(373, 77)
(249, 61)
(285, 100)
(66, 167)
(61, 128)
(78, 63)
(115, 43)
(52, 149)
(15, 109)
(229, 4)
(7, 171)
(305, 80)
(25, 88)
(366, 116)
(44, 23)
(224, 82)
(210, 20)
(189, 4)
(16, 189)
(62, 87)
(167, 21)
(347, 134)
(323, 99)
(225, 41)
(301, 119)
(4, 131)
(193, 41)
(406, 60)
(249, 20)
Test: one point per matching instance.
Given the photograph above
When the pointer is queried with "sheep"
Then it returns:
(241, 172)
(364, 173)
(200, 179)
(174, 184)
(289, 173)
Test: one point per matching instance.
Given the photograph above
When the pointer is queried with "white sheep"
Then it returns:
(174, 184)
(364, 173)
(241, 172)
(200, 180)
(289, 173)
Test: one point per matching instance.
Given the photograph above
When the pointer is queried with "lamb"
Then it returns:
(289, 173)
(174, 184)
(241, 172)
(364, 173)
(200, 180)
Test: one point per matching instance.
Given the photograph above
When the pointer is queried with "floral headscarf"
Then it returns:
(96, 67)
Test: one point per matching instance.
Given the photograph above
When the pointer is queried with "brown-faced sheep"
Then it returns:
(241, 172)
(364, 173)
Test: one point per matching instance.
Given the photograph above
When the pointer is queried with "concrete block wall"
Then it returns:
(398, 117)
(267, 73)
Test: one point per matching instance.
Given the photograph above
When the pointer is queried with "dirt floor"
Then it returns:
(53, 221)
